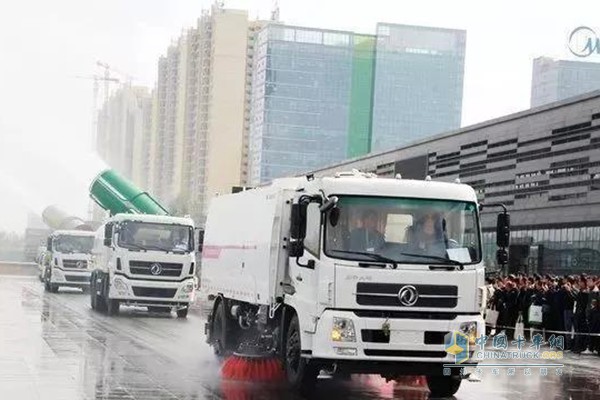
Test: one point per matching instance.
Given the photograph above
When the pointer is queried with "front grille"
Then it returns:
(379, 336)
(153, 292)
(432, 337)
(145, 268)
(374, 336)
(72, 264)
(446, 316)
(386, 294)
(405, 353)
(77, 278)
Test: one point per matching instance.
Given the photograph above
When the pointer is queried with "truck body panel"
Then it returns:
(396, 302)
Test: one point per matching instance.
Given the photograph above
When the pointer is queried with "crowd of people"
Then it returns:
(569, 307)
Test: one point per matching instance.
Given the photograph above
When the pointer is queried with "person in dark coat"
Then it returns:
(512, 309)
(594, 321)
(580, 318)
(569, 304)
(525, 299)
(538, 298)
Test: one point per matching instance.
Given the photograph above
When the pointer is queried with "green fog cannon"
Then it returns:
(117, 195)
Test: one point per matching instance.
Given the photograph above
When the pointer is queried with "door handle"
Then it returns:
(299, 278)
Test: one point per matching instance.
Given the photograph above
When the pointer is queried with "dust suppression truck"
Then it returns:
(66, 259)
(351, 273)
(142, 255)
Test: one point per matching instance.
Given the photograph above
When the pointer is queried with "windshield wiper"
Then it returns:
(155, 247)
(432, 257)
(373, 256)
(133, 246)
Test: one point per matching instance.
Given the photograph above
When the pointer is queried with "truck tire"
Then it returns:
(182, 312)
(443, 386)
(301, 374)
(218, 332)
(112, 306)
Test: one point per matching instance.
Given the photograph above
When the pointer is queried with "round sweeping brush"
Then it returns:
(253, 363)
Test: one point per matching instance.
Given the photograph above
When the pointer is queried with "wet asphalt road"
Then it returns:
(53, 346)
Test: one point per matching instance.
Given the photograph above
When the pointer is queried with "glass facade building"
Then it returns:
(554, 80)
(321, 96)
(419, 83)
(309, 88)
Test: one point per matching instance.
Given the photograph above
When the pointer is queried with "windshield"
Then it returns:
(151, 236)
(73, 244)
(409, 230)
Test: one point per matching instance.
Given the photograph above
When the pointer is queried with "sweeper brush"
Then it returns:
(252, 363)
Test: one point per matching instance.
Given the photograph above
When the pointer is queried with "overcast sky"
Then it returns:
(45, 117)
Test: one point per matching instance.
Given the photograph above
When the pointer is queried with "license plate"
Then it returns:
(406, 337)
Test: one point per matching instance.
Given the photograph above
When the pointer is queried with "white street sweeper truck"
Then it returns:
(352, 273)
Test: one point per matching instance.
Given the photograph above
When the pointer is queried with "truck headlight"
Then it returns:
(343, 330)
(120, 285)
(188, 288)
(470, 330)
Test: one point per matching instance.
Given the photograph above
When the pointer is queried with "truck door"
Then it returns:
(305, 275)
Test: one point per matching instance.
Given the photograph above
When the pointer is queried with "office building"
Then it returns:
(554, 80)
(418, 83)
(320, 96)
(201, 112)
(543, 164)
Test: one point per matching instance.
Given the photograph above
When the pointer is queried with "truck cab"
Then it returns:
(357, 274)
(144, 260)
(67, 258)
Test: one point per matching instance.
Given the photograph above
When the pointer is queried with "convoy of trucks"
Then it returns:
(351, 273)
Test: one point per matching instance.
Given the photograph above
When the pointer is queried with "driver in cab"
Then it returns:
(367, 237)
(428, 235)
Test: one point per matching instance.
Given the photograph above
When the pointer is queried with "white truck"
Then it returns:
(66, 261)
(144, 260)
(351, 273)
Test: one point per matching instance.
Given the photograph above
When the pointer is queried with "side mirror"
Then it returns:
(503, 230)
(108, 231)
(329, 204)
(200, 240)
(297, 230)
(49, 244)
(502, 257)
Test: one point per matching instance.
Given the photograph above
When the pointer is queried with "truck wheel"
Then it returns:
(443, 386)
(182, 312)
(301, 374)
(112, 306)
(218, 332)
(93, 298)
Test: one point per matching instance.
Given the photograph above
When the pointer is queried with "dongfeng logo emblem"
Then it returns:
(155, 269)
(583, 42)
(408, 295)
(80, 264)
